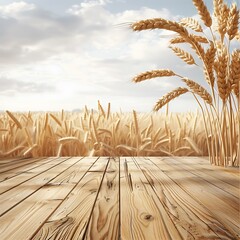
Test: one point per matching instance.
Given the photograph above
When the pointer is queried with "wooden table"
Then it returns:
(118, 198)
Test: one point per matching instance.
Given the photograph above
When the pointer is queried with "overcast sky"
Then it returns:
(64, 54)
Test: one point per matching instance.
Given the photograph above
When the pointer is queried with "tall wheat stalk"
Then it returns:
(221, 67)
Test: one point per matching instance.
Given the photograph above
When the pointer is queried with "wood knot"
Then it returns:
(148, 217)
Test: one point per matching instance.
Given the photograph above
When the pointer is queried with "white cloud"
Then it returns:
(85, 55)
(15, 8)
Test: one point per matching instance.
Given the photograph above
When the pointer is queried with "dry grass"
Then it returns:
(102, 133)
(220, 64)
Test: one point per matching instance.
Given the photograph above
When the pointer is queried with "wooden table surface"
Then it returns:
(118, 198)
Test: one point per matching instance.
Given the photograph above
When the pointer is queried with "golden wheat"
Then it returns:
(203, 12)
(232, 24)
(191, 23)
(161, 24)
(153, 74)
(235, 71)
(199, 39)
(209, 63)
(223, 85)
(185, 56)
(199, 90)
(169, 96)
(119, 134)
(221, 69)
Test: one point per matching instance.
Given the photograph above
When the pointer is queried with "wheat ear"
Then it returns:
(221, 67)
(161, 24)
(223, 20)
(217, 6)
(169, 96)
(203, 12)
(199, 90)
(209, 62)
(183, 40)
(235, 71)
(153, 74)
(232, 26)
(18, 124)
(191, 23)
(185, 56)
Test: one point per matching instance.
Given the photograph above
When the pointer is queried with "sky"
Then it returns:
(65, 54)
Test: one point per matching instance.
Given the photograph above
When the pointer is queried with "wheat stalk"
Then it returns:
(18, 124)
(169, 96)
(196, 46)
(153, 74)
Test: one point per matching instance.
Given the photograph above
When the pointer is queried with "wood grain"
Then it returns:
(110, 198)
(104, 222)
(17, 171)
(224, 207)
(142, 214)
(71, 218)
(191, 218)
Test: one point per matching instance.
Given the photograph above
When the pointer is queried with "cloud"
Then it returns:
(12, 86)
(15, 8)
(87, 54)
(76, 9)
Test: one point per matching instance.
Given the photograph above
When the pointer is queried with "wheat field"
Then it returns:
(102, 133)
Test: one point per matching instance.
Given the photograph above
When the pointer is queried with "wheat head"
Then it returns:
(191, 23)
(203, 12)
(199, 90)
(185, 56)
(235, 71)
(180, 39)
(161, 24)
(221, 71)
(153, 74)
(209, 63)
(232, 26)
(169, 96)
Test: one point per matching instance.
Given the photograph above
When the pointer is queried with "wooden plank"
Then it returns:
(71, 218)
(104, 222)
(13, 179)
(222, 206)
(17, 171)
(202, 173)
(16, 195)
(8, 160)
(18, 163)
(207, 180)
(27, 217)
(230, 175)
(192, 219)
(142, 214)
